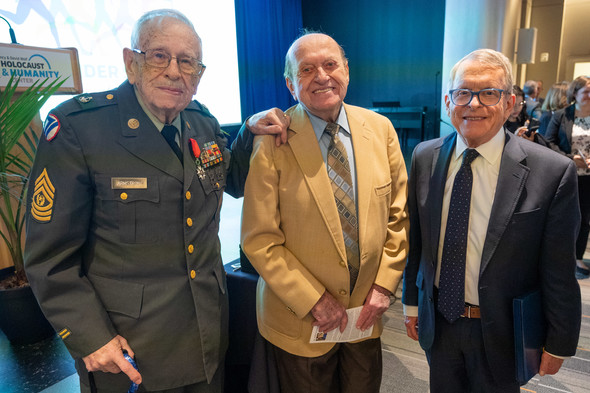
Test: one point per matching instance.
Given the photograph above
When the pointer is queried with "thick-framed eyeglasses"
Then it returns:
(161, 59)
(486, 97)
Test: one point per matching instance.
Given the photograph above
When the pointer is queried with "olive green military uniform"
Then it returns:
(122, 238)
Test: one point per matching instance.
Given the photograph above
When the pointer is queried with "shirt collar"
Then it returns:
(491, 151)
(319, 125)
(159, 125)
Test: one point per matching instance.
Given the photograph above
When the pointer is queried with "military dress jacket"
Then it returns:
(122, 238)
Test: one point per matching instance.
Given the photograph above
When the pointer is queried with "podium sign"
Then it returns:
(32, 63)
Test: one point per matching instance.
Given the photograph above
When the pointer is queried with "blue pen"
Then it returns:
(134, 386)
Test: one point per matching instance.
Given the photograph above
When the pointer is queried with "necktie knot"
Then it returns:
(169, 133)
(468, 156)
(332, 129)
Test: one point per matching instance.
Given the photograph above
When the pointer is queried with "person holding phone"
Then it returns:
(568, 132)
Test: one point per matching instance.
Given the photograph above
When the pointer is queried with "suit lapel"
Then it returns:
(361, 142)
(140, 136)
(440, 163)
(306, 150)
(511, 180)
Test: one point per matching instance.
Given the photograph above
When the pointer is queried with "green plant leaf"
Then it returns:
(17, 110)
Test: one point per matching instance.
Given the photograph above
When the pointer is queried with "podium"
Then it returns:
(32, 64)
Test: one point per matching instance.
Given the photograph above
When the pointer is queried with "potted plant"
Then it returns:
(21, 319)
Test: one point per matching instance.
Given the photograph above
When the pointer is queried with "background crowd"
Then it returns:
(560, 121)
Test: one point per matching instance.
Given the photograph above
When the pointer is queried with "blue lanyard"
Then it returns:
(134, 386)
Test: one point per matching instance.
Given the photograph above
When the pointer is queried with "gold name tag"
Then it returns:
(118, 183)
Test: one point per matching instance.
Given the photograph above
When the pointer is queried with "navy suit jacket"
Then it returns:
(529, 244)
(559, 130)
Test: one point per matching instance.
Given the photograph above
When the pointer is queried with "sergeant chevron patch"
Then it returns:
(43, 197)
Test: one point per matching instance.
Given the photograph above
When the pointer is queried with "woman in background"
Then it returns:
(555, 99)
(569, 133)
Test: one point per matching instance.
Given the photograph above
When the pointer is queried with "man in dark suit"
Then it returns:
(499, 223)
(122, 245)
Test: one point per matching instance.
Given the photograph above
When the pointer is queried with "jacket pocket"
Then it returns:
(383, 190)
(132, 207)
(118, 296)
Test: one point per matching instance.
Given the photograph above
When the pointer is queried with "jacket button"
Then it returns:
(342, 263)
(124, 196)
(191, 249)
(188, 195)
(189, 222)
(342, 292)
(193, 274)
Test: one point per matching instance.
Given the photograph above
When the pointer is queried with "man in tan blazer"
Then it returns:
(293, 234)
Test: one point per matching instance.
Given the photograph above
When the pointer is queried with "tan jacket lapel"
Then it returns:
(307, 153)
(361, 142)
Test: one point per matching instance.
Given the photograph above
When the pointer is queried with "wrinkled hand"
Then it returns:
(521, 132)
(549, 364)
(270, 122)
(109, 359)
(376, 303)
(329, 314)
(412, 327)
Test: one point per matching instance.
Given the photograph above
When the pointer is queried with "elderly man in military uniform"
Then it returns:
(122, 245)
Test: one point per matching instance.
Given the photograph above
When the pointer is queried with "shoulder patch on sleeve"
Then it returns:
(43, 197)
(51, 127)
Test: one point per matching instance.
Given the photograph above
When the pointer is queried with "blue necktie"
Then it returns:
(451, 286)
(169, 133)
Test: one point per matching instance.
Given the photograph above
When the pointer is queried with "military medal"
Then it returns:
(196, 155)
(211, 154)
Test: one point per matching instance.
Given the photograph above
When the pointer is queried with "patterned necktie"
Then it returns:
(451, 287)
(169, 133)
(341, 179)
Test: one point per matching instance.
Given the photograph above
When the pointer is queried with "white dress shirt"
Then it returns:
(485, 169)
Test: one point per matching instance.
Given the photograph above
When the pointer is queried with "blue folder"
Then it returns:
(529, 335)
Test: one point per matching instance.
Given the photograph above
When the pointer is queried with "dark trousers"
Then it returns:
(584, 196)
(457, 359)
(346, 368)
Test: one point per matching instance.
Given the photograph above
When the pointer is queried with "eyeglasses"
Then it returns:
(522, 103)
(486, 97)
(160, 59)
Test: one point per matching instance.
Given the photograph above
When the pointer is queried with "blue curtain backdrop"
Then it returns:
(265, 30)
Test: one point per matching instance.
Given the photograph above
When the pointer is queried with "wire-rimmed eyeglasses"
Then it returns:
(161, 59)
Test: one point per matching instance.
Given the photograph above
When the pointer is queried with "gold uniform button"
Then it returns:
(133, 124)
(188, 195)
(342, 292)
(193, 274)
(109, 96)
(124, 196)
(191, 249)
(189, 222)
